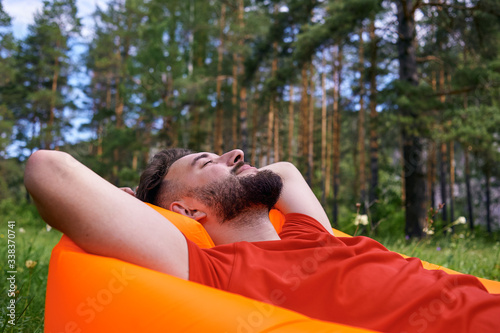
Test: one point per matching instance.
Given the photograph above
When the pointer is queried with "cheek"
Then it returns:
(209, 175)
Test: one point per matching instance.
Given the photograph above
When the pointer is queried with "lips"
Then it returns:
(241, 167)
(245, 167)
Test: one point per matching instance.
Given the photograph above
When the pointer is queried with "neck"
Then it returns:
(252, 226)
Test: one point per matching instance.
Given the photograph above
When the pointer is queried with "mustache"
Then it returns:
(238, 165)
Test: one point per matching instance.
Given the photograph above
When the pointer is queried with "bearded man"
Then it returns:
(304, 268)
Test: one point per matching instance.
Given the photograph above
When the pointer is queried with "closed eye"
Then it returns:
(207, 162)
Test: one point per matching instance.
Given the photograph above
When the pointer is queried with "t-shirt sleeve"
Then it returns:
(211, 267)
(300, 225)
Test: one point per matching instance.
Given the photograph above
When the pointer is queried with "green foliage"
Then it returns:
(33, 243)
(11, 179)
(21, 211)
(42, 81)
(153, 68)
(476, 127)
(462, 251)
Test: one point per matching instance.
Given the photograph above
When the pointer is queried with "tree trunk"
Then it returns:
(403, 173)
(109, 81)
(310, 129)
(323, 134)
(444, 156)
(373, 116)
(276, 137)
(243, 88)
(488, 197)
(243, 119)
(452, 181)
(119, 108)
(271, 114)
(291, 118)
(270, 126)
(431, 174)
(412, 143)
(169, 128)
(304, 105)
(467, 185)
(361, 126)
(194, 138)
(329, 155)
(432, 161)
(255, 119)
(442, 178)
(119, 125)
(135, 158)
(337, 78)
(467, 148)
(219, 111)
(234, 101)
(147, 143)
(50, 124)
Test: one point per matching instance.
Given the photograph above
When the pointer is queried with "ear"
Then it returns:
(183, 209)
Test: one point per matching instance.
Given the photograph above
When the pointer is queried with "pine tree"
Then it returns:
(412, 142)
(8, 71)
(45, 62)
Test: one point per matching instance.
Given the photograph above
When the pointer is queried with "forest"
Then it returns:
(390, 109)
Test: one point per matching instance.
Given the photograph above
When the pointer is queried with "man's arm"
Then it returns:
(297, 196)
(102, 219)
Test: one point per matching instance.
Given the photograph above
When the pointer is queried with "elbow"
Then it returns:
(41, 169)
(32, 168)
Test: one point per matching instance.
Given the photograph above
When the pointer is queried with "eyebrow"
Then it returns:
(198, 158)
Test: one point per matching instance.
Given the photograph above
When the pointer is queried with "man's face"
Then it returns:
(202, 168)
(225, 183)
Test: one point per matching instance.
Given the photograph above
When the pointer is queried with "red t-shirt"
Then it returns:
(354, 281)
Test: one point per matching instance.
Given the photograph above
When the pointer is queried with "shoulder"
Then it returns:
(297, 224)
(297, 196)
(212, 266)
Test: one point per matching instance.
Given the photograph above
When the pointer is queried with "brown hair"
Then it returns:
(152, 186)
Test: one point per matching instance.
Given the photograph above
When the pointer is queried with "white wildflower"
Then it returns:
(461, 220)
(30, 264)
(428, 231)
(361, 219)
(22, 231)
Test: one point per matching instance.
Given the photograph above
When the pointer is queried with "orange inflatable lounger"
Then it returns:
(89, 293)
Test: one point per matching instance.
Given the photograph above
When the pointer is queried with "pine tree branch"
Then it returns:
(416, 6)
(454, 92)
(429, 58)
(444, 5)
(461, 91)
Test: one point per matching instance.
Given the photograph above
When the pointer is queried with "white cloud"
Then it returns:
(23, 11)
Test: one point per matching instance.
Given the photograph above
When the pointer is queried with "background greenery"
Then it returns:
(392, 107)
(389, 108)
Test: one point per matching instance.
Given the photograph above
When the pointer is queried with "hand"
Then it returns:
(128, 190)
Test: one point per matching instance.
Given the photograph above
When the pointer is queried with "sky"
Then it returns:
(22, 12)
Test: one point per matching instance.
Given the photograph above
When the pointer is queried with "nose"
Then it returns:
(232, 157)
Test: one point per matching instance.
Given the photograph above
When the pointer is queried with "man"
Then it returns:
(304, 268)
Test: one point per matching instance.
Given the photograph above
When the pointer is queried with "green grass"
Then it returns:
(462, 251)
(32, 242)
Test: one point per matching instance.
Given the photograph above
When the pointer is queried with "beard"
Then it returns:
(233, 195)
